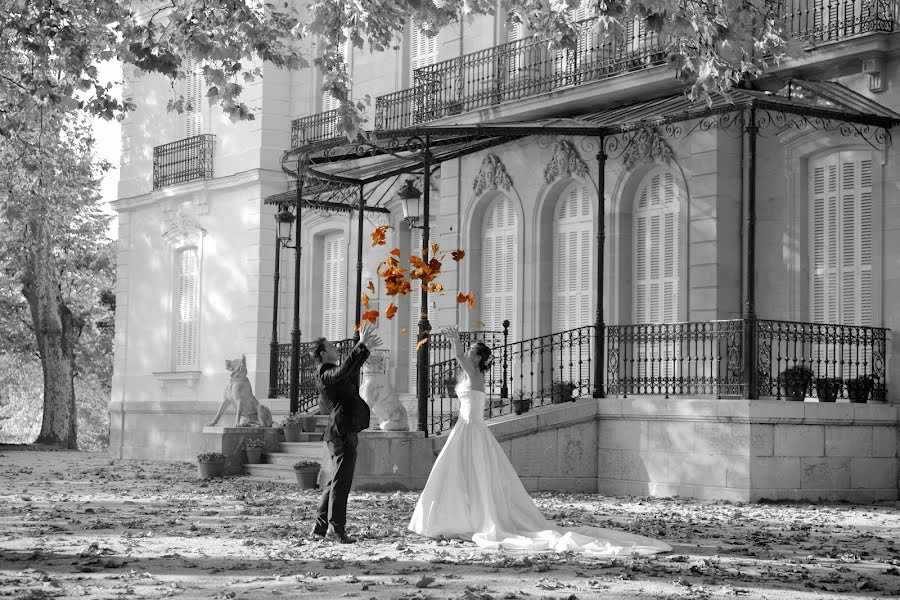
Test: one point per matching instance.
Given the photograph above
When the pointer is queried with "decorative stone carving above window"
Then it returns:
(181, 229)
(647, 146)
(565, 162)
(491, 176)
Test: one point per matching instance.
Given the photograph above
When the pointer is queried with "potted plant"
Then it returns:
(253, 448)
(211, 464)
(450, 386)
(561, 391)
(307, 473)
(828, 388)
(292, 426)
(858, 389)
(796, 381)
(520, 403)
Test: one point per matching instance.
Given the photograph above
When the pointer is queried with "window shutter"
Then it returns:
(328, 101)
(656, 248)
(187, 321)
(193, 115)
(498, 264)
(423, 49)
(572, 259)
(334, 290)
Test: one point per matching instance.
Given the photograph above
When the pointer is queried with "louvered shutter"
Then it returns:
(333, 288)
(498, 264)
(655, 276)
(187, 319)
(572, 260)
(328, 101)
(423, 49)
(841, 252)
(193, 113)
(415, 307)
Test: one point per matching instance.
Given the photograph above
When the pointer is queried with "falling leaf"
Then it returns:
(396, 252)
(479, 324)
(403, 331)
(422, 342)
(379, 236)
(371, 316)
(365, 300)
(391, 311)
(458, 255)
(435, 287)
(371, 287)
(434, 248)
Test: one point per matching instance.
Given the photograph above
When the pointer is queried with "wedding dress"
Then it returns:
(474, 493)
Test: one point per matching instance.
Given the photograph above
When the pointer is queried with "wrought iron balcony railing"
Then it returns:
(320, 126)
(524, 68)
(185, 160)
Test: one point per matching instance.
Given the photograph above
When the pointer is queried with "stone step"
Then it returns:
(312, 437)
(300, 450)
(267, 471)
(288, 459)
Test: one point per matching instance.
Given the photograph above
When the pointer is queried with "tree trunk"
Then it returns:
(56, 331)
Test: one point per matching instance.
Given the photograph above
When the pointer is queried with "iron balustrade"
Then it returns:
(820, 21)
(543, 370)
(515, 70)
(308, 395)
(320, 126)
(823, 360)
(691, 358)
(185, 160)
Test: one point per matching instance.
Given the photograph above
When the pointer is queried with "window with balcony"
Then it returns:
(423, 50)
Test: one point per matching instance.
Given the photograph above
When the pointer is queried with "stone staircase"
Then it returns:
(279, 466)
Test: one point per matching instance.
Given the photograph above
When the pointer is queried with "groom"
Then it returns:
(338, 386)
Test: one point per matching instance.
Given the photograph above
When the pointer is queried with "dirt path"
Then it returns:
(80, 525)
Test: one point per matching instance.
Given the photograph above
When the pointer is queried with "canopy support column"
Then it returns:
(599, 320)
(422, 352)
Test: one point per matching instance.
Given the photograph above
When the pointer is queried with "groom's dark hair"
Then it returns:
(317, 349)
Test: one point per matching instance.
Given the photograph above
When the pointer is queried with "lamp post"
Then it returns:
(284, 220)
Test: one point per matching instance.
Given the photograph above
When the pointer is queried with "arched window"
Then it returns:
(572, 259)
(499, 247)
(187, 308)
(841, 238)
(655, 233)
(333, 288)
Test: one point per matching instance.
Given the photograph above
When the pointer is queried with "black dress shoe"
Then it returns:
(340, 536)
(319, 531)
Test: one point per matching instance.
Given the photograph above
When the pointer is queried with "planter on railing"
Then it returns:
(182, 161)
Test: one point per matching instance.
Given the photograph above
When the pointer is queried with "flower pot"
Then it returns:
(828, 388)
(521, 406)
(858, 389)
(208, 470)
(308, 424)
(306, 477)
(254, 455)
(796, 382)
(292, 433)
(562, 394)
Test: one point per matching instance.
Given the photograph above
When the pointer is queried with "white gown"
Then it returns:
(474, 493)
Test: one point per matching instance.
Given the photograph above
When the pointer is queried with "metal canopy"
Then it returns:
(390, 153)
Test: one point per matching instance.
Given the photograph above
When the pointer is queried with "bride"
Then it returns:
(474, 493)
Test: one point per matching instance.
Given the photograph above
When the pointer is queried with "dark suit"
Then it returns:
(338, 387)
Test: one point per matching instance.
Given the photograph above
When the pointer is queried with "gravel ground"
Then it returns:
(81, 525)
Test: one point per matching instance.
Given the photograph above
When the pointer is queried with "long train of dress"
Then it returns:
(474, 493)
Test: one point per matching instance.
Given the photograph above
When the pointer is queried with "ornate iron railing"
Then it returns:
(695, 358)
(820, 360)
(820, 21)
(515, 70)
(320, 126)
(185, 160)
(308, 395)
(548, 369)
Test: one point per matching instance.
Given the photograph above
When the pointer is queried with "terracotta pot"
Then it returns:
(254, 455)
(521, 406)
(308, 424)
(292, 433)
(208, 470)
(858, 390)
(828, 388)
(306, 477)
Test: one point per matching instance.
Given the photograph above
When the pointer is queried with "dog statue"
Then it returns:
(239, 394)
(377, 391)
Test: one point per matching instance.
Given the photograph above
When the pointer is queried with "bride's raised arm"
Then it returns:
(459, 353)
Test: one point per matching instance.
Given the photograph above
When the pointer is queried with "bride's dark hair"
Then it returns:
(484, 353)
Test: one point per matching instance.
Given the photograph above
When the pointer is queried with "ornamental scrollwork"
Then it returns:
(646, 146)
(565, 162)
(491, 176)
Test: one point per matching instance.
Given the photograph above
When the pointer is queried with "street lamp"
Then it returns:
(285, 220)
(409, 196)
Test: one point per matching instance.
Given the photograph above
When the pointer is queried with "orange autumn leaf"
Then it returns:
(396, 252)
(469, 299)
(403, 330)
(391, 311)
(371, 287)
(479, 324)
(458, 255)
(371, 316)
(379, 236)
(422, 342)
(435, 287)
(365, 300)
(434, 248)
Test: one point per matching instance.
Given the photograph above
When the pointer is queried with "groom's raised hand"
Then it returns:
(368, 337)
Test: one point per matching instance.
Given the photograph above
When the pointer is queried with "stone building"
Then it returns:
(743, 256)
